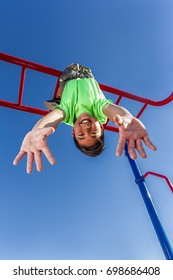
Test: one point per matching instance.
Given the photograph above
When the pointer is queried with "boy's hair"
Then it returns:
(92, 151)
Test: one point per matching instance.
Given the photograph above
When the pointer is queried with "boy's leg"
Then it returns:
(69, 73)
(85, 72)
(51, 104)
(72, 71)
(56, 100)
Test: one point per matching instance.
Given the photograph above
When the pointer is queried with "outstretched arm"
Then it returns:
(131, 130)
(35, 142)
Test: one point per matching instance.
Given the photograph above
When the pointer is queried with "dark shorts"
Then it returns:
(74, 71)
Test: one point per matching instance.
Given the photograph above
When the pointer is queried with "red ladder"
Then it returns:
(25, 64)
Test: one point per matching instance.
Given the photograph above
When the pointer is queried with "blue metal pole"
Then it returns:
(139, 179)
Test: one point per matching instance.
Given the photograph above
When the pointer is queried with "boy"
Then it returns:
(80, 103)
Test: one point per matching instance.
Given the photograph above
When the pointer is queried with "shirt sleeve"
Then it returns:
(98, 109)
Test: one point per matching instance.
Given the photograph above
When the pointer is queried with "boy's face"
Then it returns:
(87, 130)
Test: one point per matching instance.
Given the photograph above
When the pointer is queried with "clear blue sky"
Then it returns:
(85, 208)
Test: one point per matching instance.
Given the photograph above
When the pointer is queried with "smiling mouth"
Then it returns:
(85, 121)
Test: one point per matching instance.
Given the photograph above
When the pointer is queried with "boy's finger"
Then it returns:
(119, 121)
(140, 148)
(38, 161)
(48, 131)
(49, 156)
(19, 156)
(29, 164)
(131, 149)
(149, 143)
(120, 146)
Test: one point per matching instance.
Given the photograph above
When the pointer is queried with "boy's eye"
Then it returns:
(94, 133)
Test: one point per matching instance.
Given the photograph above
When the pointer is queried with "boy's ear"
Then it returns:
(102, 127)
(72, 132)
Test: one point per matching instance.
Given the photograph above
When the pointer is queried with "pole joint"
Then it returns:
(140, 179)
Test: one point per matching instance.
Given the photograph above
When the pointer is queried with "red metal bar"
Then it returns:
(56, 88)
(31, 65)
(141, 111)
(22, 81)
(136, 97)
(57, 73)
(161, 176)
(23, 108)
(118, 100)
(53, 72)
(111, 128)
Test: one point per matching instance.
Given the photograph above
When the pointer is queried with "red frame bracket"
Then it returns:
(160, 176)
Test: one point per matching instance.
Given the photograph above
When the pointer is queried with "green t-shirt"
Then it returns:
(82, 96)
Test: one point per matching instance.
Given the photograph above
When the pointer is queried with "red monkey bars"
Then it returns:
(24, 65)
(139, 179)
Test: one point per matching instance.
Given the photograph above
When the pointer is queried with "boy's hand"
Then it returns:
(34, 143)
(133, 131)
